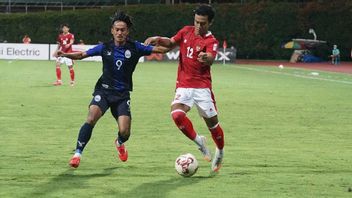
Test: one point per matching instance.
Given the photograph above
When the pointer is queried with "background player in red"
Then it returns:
(65, 41)
(26, 39)
(198, 48)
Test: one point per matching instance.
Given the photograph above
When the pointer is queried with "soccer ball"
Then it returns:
(186, 165)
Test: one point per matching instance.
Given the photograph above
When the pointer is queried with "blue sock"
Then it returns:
(83, 137)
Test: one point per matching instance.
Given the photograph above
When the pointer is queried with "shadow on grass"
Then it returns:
(71, 181)
(67, 180)
(44, 85)
(161, 188)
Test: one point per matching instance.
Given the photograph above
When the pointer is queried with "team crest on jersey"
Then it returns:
(108, 53)
(185, 41)
(97, 98)
(128, 54)
(198, 48)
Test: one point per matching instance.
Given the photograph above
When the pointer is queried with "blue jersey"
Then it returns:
(119, 63)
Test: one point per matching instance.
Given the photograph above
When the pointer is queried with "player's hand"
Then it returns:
(202, 57)
(152, 40)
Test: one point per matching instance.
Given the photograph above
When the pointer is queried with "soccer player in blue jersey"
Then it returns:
(120, 57)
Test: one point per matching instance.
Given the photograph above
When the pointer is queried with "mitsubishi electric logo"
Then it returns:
(12, 51)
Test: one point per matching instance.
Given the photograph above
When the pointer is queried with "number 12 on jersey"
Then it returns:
(189, 52)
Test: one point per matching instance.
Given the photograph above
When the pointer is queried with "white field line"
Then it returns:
(297, 75)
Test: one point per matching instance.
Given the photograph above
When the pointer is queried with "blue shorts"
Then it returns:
(119, 103)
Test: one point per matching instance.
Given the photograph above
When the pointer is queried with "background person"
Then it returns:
(26, 39)
(335, 57)
(65, 41)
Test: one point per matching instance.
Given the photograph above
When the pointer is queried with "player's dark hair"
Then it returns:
(205, 10)
(64, 25)
(121, 16)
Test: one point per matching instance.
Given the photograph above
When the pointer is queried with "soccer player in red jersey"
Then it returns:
(198, 48)
(65, 41)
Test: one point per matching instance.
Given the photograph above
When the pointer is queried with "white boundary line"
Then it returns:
(295, 75)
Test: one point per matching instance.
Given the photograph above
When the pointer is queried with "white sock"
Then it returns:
(198, 141)
(77, 155)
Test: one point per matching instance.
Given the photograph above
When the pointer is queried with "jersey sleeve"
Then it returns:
(72, 36)
(179, 35)
(95, 51)
(144, 50)
(212, 47)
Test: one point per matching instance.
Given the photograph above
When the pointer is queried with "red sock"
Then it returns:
(72, 74)
(58, 73)
(218, 136)
(184, 124)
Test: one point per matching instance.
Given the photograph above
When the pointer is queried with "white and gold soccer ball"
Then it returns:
(186, 165)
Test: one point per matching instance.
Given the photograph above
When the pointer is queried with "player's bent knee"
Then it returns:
(91, 121)
(178, 116)
(212, 122)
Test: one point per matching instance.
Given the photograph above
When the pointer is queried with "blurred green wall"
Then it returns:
(257, 30)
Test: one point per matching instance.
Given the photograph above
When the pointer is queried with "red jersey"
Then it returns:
(63, 39)
(191, 72)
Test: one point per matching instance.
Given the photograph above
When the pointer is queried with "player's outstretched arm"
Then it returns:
(161, 49)
(161, 41)
(74, 55)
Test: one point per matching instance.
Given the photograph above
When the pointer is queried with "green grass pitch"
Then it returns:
(288, 134)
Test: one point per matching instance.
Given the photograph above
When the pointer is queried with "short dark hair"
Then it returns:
(64, 25)
(205, 10)
(121, 16)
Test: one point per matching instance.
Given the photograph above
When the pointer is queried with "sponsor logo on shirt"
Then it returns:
(198, 48)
